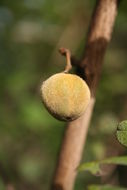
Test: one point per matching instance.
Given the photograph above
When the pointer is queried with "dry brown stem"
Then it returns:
(89, 69)
(67, 53)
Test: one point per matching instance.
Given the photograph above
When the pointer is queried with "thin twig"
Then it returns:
(67, 53)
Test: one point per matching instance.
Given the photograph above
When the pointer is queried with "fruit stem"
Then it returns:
(67, 53)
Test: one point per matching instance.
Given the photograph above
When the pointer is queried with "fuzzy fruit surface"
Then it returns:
(65, 96)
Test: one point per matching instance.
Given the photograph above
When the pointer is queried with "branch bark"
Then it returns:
(89, 68)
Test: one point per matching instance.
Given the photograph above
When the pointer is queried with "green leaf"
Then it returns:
(95, 167)
(104, 187)
(122, 133)
(92, 167)
(121, 160)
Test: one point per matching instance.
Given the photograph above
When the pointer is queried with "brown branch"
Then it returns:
(89, 68)
(71, 151)
(98, 38)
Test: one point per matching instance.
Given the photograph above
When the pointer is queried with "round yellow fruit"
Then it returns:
(65, 96)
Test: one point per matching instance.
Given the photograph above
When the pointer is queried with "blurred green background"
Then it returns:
(30, 34)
